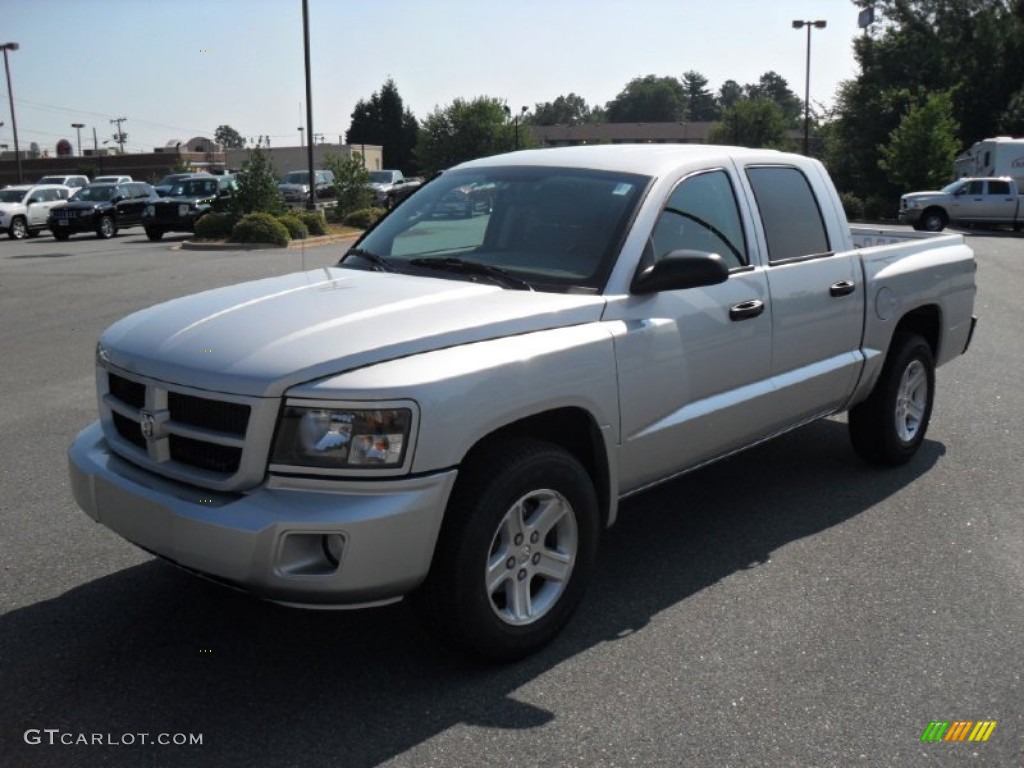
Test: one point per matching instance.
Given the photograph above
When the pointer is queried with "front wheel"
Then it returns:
(933, 220)
(60, 234)
(889, 426)
(19, 229)
(154, 234)
(516, 550)
(105, 229)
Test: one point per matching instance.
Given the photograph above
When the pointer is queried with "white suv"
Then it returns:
(24, 208)
(75, 182)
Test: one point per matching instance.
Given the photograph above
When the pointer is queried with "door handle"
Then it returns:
(842, 288)
(746, 310)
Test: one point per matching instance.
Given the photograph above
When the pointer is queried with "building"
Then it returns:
(621, 133)
(287, 159)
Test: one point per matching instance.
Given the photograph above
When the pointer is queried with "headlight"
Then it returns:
(84, 214)
(183, 209)
(150, 210)
(343, 438)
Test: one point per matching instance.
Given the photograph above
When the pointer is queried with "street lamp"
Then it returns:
(10, 94)
(78, 127)
(797, 24)
(515, 121)
(301, 142)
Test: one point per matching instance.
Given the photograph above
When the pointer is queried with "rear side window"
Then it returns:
(999, 187)
(790, 215)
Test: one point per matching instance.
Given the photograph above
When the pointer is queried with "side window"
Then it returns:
(999, 187)
(790, 215)
(976, 187)
(702, 215)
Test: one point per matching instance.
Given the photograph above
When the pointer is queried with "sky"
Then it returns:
(179, 68)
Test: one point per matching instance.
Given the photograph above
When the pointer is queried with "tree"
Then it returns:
(774, 87)
(729, 94)
(700, 102)
(1011, 122)
(257, 185)
(350, 180)
(922, 148)
(466, 130)
(565, 110)
(228, 137)
(649, 99)
(752, 123)
(384, 120)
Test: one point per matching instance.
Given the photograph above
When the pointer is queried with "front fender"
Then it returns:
(469, 391)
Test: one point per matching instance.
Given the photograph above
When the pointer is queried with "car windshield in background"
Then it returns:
(11, 195)
(381, 177)
(96, 194)
(297, 177)
(558, 229)
(171, 179)
(52, 179)
(196, 188)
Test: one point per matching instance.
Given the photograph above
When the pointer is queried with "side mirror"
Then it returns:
(33, 200)
(680, 269)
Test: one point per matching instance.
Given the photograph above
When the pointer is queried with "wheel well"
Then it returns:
(935, 209)
(925, 322)
(572, 429)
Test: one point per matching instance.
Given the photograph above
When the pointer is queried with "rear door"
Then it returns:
(817, 298)
(1000, 202)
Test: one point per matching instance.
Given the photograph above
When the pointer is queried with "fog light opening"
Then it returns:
(333, 544)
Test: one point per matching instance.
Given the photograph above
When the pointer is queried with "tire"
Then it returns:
(106, 228)
(888, 428)
(154, 234)
(933, 220)
(59, 235)
(515, 552)
(18, 229)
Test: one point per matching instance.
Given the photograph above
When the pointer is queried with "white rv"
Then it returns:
(1001, 156)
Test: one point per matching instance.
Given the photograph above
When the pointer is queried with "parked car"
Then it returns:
(103, 209)
(166, 184)
(988, 202)
(74, 182)
(186, 203)
(294, 187)
(454, 412)
(381, 183)
(467, 200)
(111, 179)
(24, 208)
(401, 190)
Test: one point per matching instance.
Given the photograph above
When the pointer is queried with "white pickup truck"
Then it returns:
(455, 411)
(988, 202)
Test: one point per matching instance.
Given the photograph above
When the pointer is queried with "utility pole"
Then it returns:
(120, 137)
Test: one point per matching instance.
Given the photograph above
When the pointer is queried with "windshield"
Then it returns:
(96, 193)
(951, 189)
(171, 179)
(559, 229)
(195, 188)
(52, 179)
(381, 177)
(12, 195)
(297, 177)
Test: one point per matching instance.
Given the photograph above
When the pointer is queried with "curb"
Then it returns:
(309, 242)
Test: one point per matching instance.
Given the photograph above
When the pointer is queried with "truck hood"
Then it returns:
(925, 195)
(260, 338)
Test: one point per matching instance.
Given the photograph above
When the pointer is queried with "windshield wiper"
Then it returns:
(452, 264)
(379, 262)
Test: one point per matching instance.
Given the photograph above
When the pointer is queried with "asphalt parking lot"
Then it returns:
(786, 607)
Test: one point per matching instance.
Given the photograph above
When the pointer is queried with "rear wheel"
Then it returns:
(516, 550)
(154, 234)
(18, 229)
(890, 425)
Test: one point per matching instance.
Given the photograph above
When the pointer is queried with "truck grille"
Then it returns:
(179, 434)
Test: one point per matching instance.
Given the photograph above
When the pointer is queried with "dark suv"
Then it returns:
(186, 203)
(102, 208)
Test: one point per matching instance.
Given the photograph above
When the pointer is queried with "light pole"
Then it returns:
(515, 122)
(10, 94)
(301, 142)
(797, 24)
(78, 127)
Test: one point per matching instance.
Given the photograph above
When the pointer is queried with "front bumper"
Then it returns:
(270, 542)
(909, 215)
(72, 226)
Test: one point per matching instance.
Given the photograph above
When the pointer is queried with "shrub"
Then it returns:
(880, 208)
(214, 226)
(257, 185)
(315, 222)
(853, 206)
(296, 228)
(364, 218)
(260, 228)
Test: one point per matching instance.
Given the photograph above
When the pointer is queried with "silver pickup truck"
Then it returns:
(988, 202)
(455, 411)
